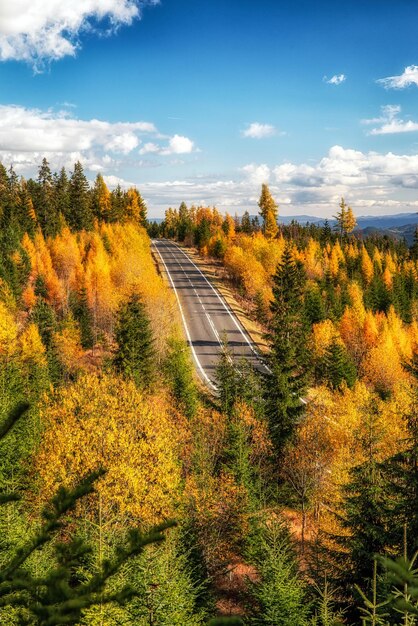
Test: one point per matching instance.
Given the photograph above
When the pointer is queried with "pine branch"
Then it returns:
(14, 415)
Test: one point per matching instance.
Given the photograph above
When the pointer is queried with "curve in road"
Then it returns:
(207, 318)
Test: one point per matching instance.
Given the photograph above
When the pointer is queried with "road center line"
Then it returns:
(199, 365)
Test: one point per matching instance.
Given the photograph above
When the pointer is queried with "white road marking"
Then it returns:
(199, 365)
(226, 307)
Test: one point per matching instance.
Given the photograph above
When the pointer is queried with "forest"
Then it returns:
(131, 495)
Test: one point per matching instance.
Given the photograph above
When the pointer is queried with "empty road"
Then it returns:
(207, 318)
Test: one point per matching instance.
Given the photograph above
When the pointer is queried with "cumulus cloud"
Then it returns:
(259, 131)
(178, 144)
(390, 123)
(26, 135)
(257, 174)
(337, 79)
(408, 77)
(378, 182)
(113, 181)
(41, 30)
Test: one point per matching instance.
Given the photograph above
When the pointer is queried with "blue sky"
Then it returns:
(204, 101)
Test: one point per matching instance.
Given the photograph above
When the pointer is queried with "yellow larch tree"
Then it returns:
(366, 266)
(103, 421)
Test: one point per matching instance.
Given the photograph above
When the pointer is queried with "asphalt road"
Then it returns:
(207, 318)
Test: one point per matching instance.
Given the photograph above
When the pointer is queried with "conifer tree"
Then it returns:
(401, 470)
(279, 594)
(44, 203)
(59, 595)
(180, 374)
(62, 194)
(286, 384)
(117, 200)
(346, 222)
(326, 233)
(314, 305)
(81, 311)
(81, 215)
(338, 368)
(366, 515)
(135, 354)
(246, 223)
(269, 212)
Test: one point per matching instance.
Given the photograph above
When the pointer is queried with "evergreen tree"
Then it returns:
(286, 384)
(337, 366)
(167, 593)
(44, 201)
(82, 314)
(401, 470)
(326, 233)
(279, 594)
(180, 376)
(81, 215)
(366, 516)
(255, 224)
(117, 200)
(314, 305)
(62, 194)
(60, 595)
(246, 223)
(135, 354)
(269, 212)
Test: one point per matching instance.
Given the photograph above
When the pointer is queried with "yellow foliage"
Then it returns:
(68, 345)
(323, 334)
(29, 297)
(366, 265)
(8, 331)
(32, 350)
(105, 421)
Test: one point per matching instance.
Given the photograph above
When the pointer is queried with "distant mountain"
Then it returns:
(364, 221)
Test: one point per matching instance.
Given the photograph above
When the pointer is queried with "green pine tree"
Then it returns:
(285, 385)
(179, 371)
(135, 354)
(82, 314)
(279, 595)
(366, 518)
(81, 215)
(337, 367)
(59, 595)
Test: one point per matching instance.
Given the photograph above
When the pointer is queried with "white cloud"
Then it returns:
(378, 182)
(41, 30)
(113, 181)
(408, 77)
(27, 135)
(337, 79)
(390, 123)
(178, 144)
(257, 174)
(259, 131)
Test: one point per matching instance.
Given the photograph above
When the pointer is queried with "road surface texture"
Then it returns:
(207, 318)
